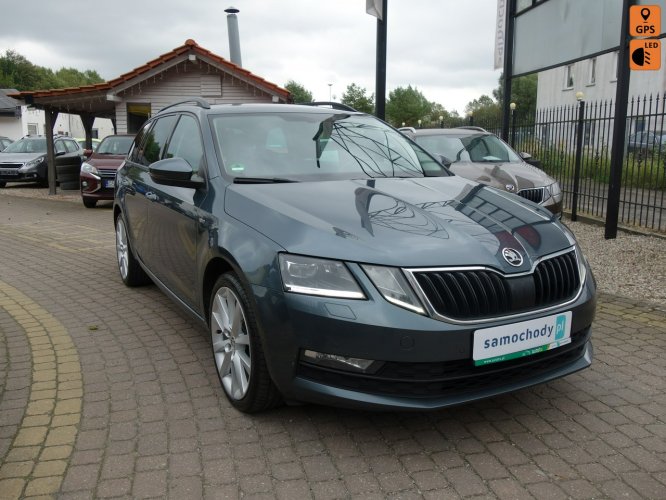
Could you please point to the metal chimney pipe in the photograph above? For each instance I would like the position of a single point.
(234, 37)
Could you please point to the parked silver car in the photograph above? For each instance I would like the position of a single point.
(481, 156)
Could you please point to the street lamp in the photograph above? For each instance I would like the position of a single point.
(419, 122)
(441, 121)
(470, 117)
(403, 124)
(330, 88)
(512, 106)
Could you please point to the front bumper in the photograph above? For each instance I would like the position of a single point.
(97, 187)
(423, 363)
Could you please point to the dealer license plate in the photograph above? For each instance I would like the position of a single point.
(502, 343)
(109, 183)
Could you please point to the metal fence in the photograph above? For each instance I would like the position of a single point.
(573, 145)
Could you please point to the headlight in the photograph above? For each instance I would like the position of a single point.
(394, 287)
(87, 167)
(32, 164)
(555, 189)
(310, 276)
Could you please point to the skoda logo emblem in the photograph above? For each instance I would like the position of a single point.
(510, 188)
(512, 257)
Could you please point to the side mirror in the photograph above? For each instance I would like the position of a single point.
(525, 156)
(175, 172)
(444, 160)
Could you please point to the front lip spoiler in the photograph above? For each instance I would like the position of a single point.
(316, 392)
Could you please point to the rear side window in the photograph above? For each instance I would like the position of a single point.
(152, 146)
(72, 146)
(186, 143)
(59, 147)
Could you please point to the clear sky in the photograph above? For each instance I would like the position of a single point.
(442, 47)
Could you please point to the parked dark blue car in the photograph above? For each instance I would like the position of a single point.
(334, 261)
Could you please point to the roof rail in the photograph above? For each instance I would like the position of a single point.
(473, 127)
(199, 101)
(335, 105)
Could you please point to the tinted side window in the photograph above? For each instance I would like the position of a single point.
(151, 149)
(133, 154)
(59, 147)
(186, 142)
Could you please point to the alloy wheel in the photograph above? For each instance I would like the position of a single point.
(231, 343)
(122, 249)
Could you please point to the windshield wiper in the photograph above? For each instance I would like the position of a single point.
(261, 180)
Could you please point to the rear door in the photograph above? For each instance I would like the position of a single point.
(140, 194)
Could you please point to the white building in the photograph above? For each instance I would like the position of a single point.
(17, 120)
(596, 78)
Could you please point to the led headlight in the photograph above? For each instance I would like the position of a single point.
(312, 276)
(393, 285)
(32, 164)
(87, 167)
(555, 189)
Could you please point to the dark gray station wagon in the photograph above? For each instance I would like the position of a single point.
(334, 261)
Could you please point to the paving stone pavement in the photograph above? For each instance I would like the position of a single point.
(111, 392)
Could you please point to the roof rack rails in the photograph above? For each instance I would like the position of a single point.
(335, 105)
(473, 127)
(199, 101)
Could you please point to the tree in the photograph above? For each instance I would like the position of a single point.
(523, 93)
(298, 92)
(356, 97)
(484, 110)
(407, 105)
(19, 73)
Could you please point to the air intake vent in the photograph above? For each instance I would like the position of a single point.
(534, 194)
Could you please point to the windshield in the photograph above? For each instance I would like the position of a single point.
(27, 145)
(115, 145)
(316, 146)
(469, 147)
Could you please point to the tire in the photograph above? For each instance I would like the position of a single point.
(89, 202)
(237, 350)
(130, 270)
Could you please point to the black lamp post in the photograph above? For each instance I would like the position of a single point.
(512, 106)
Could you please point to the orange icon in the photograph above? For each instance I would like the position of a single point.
(644, 20)
(645, 54)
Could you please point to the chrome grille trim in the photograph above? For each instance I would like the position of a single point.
(537, 195)
(489, 273)
(107, 173)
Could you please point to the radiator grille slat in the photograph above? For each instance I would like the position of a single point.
(533, 194)
(477, 294)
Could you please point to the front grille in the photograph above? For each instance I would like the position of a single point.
(107, 173)
(533, 194)
(11, 165)
(422, 380)
(476, 294)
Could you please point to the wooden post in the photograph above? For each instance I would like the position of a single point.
(50, 116)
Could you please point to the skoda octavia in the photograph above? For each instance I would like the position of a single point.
(334, 261)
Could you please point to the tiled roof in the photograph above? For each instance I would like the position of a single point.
(190, 46)
(7, 104)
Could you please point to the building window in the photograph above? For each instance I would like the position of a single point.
(568, 77)
(593, 72)
(32, 129)
(95, 133)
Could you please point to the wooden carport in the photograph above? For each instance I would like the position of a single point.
(186, 71)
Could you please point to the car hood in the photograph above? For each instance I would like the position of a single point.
(436, 221)
(19, 157)
(106, 161)
(500, 175)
